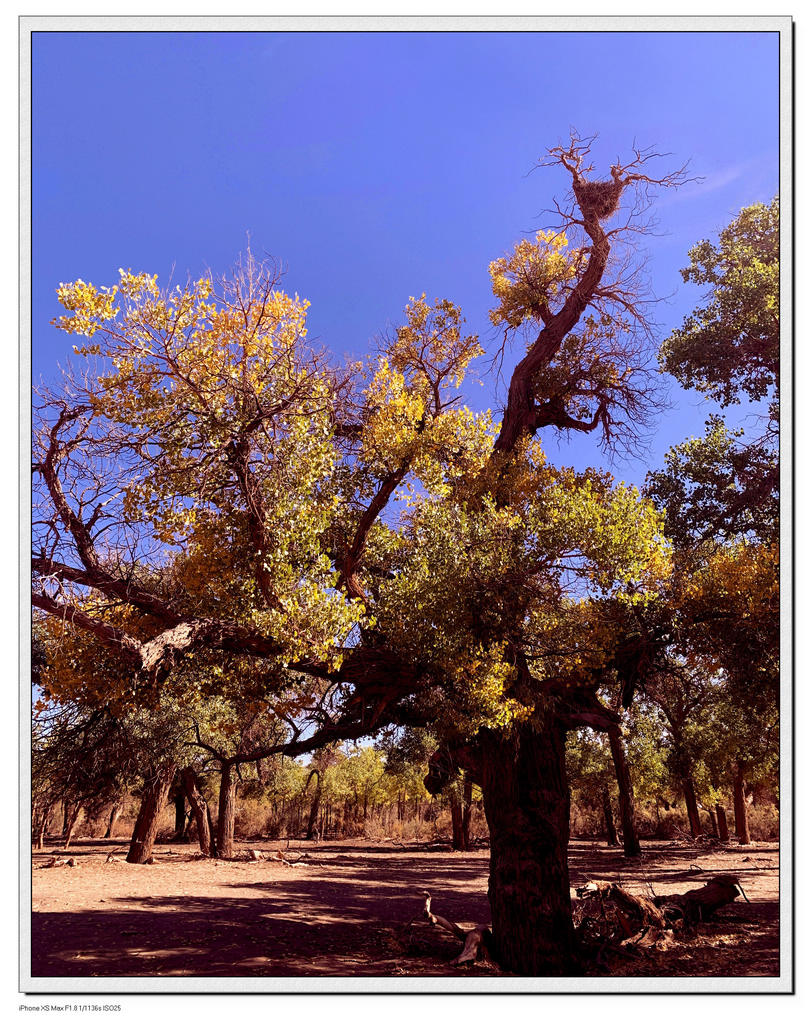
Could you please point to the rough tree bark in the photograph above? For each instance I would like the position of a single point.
(153, 801)
(630, 838)
(739, 803)
(526, 802)
(200, 810)
(226, 811)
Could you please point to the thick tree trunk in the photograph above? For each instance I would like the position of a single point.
(723, 828)
(115, 814)
(608, 815)
(739, 798)
(201, 812)
(692, 807)
(630, 838)
(146, 824)
(226, 811)
(526, 801)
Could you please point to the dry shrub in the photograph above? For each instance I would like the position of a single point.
(586, 821)
(671, 824)
(252, 817)
(764, 822)
(374, 829)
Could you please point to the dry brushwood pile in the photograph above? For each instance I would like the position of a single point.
(606, 914)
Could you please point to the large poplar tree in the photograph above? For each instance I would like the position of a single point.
(211, 487)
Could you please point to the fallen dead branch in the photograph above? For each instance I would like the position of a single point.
(477, 940)
(60, 862)
(286, 859)
(278, 855)
(700, 904)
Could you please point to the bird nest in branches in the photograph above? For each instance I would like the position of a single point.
(600, 198)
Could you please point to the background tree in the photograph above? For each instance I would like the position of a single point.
(720, 495)
(81, 759)
(591, 774)
(725, 485)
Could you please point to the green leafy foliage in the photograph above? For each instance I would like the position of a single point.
(731, 346)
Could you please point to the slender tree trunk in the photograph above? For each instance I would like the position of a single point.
(313, 818)
(146, 824)
(72, 813)
(115, 814)
(713, 822)
(526, 801)
(630, 837)
(467, 810)
(692, 807)
(739, 799)
(723, 828)
(212, 832)
(226, 811)
(457, 839)
(201, 812)
(41, 825)
(180, 813)
(608, 815)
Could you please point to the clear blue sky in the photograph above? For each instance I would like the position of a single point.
(377, 165)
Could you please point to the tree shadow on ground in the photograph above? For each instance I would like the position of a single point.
(289, 934)
(345, 913)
